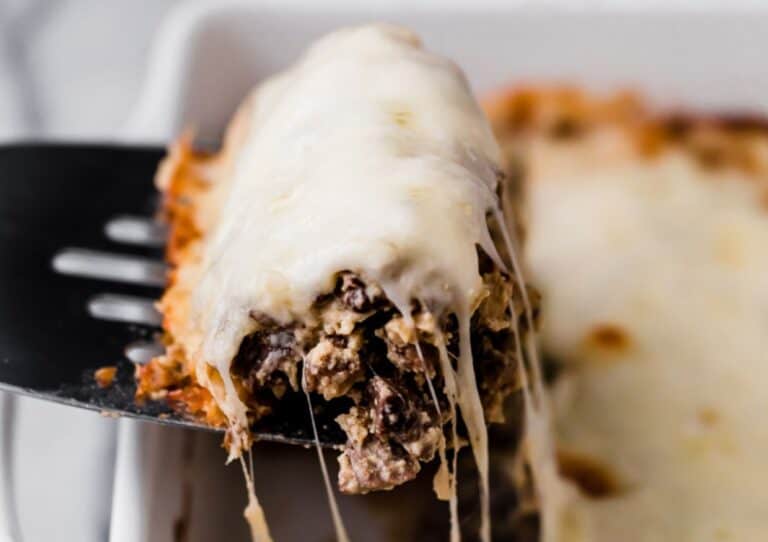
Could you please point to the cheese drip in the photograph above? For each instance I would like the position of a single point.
(338, 522)
(254, 513)
(370, 155)
(552, 492)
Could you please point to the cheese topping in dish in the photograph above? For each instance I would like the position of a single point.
(671, 359)
(649, 244)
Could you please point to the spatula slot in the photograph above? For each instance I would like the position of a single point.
(107, 266)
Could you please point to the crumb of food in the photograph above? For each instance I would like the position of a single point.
(109, 414)
(104, 376)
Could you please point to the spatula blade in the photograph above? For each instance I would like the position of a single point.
(63, 195)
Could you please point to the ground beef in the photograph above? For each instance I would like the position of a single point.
(405, 416)
(334, 365)
(396, 429)
(355, 295)
(402, 351)
(356, 347)
(493, 312)
(269, 359)
(393, 412)
(369, 463)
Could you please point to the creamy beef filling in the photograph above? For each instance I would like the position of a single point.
(357, 347)
(357, 354)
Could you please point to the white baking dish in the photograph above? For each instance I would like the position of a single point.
(207, 57)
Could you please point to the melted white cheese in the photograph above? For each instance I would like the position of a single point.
(254, 513)
(673, 262)
(538, 440)
(371, 155)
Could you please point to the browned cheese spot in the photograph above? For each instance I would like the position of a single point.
(401, 116)
(593, 478)
(708, 416)
(608, 338)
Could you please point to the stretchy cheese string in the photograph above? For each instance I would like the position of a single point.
(474, 418)
(338, 523)
(444, 482)
(467, 396)
(449, 378)
(429, 380)
(538, 435)
(443, 476)
(253, 513)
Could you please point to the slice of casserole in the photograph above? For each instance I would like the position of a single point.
(344, 243)
(648, 238)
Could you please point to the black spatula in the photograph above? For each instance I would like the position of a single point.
(80, 267)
